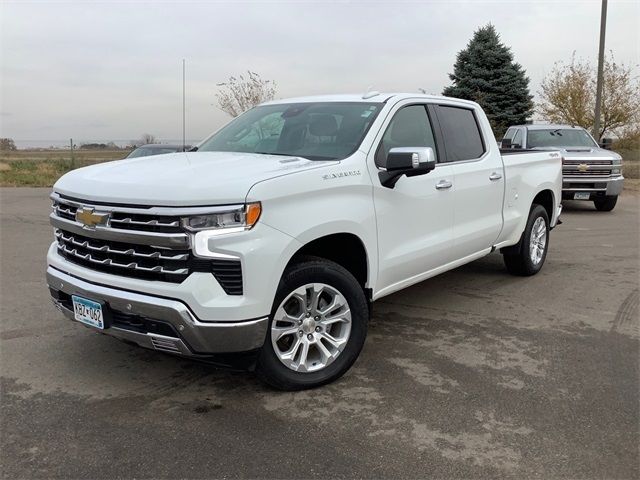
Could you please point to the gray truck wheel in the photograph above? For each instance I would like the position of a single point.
(317, 328)
(606, 204)
(533, 246)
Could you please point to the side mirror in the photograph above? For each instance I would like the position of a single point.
(409, 161)
(606, 143)
(505, 143)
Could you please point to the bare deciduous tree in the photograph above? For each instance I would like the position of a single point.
(7, 144)
(145, 139)
(568, 96)
(238, 95)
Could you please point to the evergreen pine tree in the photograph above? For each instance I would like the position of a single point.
(486, 73)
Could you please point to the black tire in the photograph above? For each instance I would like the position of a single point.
(520, 263)
(605, 204)
(316, 270)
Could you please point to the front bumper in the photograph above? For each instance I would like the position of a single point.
(595, 186)
(158, 323)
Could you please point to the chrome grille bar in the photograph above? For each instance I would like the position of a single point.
(172, 240)
(129, 252)
(130, 266)
(150, 223)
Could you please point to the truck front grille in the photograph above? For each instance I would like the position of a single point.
(127, 220)
(586, 168)
(149, 246)
(139, 261)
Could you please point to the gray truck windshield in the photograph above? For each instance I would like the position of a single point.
(560, 137)
(317, 131)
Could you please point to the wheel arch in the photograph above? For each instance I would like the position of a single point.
(546, 199)
(344, 248)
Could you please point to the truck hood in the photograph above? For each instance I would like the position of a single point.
(180, 179)
(583, 153)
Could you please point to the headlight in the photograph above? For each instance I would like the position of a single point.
(616, 170)
(243, 217)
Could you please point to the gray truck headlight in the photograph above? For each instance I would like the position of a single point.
(243, 217)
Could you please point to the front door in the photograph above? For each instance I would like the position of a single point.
(415, 218)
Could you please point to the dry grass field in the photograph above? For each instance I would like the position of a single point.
(41, 168)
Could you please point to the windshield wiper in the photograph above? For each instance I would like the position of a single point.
(274, 153)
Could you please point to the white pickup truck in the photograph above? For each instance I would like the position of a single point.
(265, 247)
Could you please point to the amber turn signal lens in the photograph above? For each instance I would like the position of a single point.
(253, 213)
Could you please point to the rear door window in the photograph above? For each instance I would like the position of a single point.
(461, 133)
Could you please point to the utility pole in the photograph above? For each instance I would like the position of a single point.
(603, 27)
(184, 142)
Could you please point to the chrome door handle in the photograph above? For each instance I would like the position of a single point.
(443, 184)
(495, 176)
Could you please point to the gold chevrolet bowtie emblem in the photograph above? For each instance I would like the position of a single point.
(583, 167)
(90, 218)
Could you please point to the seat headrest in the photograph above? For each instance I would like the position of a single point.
(323, 125)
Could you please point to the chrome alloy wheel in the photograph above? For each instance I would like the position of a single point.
(538, 241)
(311, 327)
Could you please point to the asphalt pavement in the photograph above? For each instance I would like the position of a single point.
(474, 373)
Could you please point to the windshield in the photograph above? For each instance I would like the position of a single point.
(316, 131)
(560, 137)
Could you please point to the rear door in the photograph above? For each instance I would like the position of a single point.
(479, 180)
(415, 217)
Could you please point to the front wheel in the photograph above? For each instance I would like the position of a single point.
(317, 328)
(534, 245)
(606, 204)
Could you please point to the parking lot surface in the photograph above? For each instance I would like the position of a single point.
(474, 373)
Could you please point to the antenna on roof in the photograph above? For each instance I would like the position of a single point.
(422, 90)
(184, 140)
(370, 93)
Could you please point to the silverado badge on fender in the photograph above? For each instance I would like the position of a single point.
(90, 218)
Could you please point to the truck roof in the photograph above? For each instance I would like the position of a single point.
(549, 126)
(364, 97)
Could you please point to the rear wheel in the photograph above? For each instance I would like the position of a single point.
(317, 328)
(534, 245)
(606, 204)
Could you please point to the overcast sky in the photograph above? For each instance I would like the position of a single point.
(111, 70)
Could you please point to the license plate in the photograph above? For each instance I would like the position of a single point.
(88, 312)
(581, 196)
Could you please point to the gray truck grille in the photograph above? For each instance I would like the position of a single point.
(584, 168)
(136, 244)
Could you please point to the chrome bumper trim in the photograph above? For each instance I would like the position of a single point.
(197, 338)
(613, 185)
